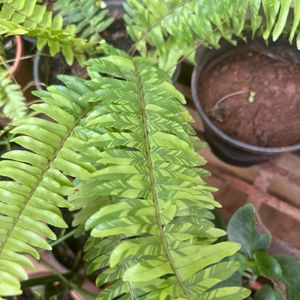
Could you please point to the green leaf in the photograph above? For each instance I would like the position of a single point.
(290, 275)
(242, 260)
(265, 293)
(296, 20)
(242, 229)
(271, 9)
(266, 265)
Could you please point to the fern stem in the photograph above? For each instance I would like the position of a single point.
(41, 177)
(43, 280)
(63, 238)
(153, 183)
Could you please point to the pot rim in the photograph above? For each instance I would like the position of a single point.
(36, 70)
(222, 134)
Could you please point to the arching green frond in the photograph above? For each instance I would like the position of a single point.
(89, 16)
(11, 97)
(36, 179)
(146, 204)
(32, 18)
(176, 27)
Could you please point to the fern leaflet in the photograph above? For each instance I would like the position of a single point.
(89, 16)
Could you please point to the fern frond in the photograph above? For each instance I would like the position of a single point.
(89, 16)
(146, 204)
(37, 178)
(31, 18)
(174, 28)
(11, 97)
(179, 26)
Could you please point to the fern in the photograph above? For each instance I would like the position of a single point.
(125, 137)
(175, 27)
(11, 97)
(146, 204)
(37, 179)
(89, 16)
(31, 18)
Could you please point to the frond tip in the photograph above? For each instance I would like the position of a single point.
(146, 204)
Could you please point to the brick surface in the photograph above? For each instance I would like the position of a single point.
(273, 187)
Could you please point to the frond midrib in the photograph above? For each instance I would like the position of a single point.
(41, 177)
(152, 181)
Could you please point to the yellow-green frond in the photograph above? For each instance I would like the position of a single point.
(146, 205)
(36, 178)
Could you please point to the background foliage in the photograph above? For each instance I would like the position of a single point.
(89, 17)
(175, 28)
(33, 19)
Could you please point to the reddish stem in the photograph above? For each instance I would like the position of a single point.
(256, 286)
(19, 51)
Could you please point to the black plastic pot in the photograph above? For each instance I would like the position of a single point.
(46, 69)
(228, 148)
(116, 34)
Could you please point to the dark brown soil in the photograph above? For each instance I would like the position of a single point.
(116, 34)
(272, 119)
(51, 67)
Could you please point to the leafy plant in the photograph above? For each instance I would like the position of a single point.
(175, 28)
(256, 260)
(19, 17)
